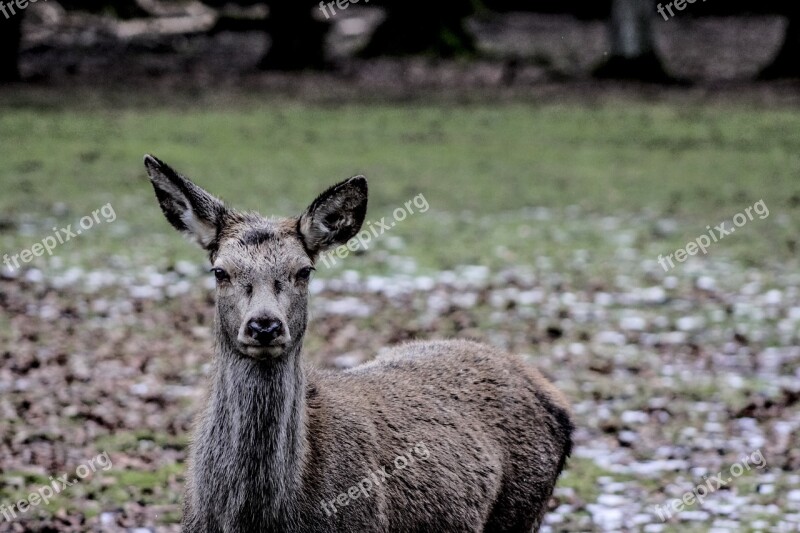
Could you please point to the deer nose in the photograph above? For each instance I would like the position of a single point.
(264, 330)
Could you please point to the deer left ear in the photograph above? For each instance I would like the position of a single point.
(335, 216)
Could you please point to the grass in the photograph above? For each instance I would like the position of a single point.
(127, 442)
(104, 489)
(480, 167)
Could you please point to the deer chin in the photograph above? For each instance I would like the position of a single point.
(263, 352)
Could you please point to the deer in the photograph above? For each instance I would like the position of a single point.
(278, 441)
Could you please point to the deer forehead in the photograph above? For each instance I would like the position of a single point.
(262, 246)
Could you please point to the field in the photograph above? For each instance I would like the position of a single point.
(541, 232)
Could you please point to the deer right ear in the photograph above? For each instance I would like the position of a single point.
(335, 216)
(189, 208)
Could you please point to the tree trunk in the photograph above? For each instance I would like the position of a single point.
(633, 51)
(298, 40)
(414, 27)
(787, 63)
(10, 34)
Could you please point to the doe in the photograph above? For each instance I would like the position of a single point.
(277, 441)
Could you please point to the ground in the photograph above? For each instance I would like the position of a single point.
(537, 217)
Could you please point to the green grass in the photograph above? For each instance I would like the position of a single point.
(478, 165)
(583, 476)
(128, 442)
(103, 489)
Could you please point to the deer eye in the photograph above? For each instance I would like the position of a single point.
(304, 273)
(220, 274)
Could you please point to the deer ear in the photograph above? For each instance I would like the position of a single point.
(335, 216)
(189, 208)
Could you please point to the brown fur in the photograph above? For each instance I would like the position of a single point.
(277, 443)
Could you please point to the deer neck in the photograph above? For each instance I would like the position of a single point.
(259, 412)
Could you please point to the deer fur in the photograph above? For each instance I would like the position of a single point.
(278, 443)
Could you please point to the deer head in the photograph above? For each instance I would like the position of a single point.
(262, 265)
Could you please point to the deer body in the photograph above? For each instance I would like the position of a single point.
(278, 444)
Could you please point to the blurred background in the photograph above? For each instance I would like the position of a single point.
(565, 150)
